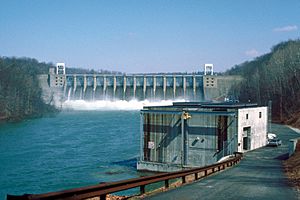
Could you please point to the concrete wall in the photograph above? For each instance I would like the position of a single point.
(292, 145)
(140, 87)
(217, 87)
(258, 123)
(158, 167)
(57, 80)
(51, 95)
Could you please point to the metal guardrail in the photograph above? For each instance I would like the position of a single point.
(103, 189)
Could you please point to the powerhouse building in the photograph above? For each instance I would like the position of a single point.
(194, 134)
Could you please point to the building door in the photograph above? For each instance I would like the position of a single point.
(245, 143)
(222, 136)
(246, 138)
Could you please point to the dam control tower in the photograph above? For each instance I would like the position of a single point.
(208, 69)
(60, 68)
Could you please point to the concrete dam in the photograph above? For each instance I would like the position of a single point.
(128, 87)
(153, 87)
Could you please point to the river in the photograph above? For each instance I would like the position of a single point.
(72, 149)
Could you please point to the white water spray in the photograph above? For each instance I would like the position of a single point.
(113, 105)
(69, 94)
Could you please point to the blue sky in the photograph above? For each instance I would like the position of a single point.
(146, 35)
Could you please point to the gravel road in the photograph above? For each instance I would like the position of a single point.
(259, 175)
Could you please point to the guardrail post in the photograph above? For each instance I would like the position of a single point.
(142, 189)
(219, 168)
(196, 176)
(183, 180)
(205, 173)
(166, 183)
(103, 197)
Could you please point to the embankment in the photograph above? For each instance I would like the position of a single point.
(292, 167)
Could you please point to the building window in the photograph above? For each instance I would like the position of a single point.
(259, 114)
(247, 116)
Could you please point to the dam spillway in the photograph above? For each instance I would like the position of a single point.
(58, 86)
(129, 87)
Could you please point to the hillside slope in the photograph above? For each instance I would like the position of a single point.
(20, 94)
(292, 167)
(274, 76)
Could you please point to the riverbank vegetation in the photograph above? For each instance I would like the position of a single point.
(20, 94)
(292, 167)
(274, 76)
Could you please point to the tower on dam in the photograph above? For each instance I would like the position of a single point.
(152, 87)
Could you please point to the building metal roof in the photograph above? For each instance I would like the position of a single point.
(223, 105)
(219, 113)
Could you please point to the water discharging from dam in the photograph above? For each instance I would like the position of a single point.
(129, 87)
(119, 92)
(113, 105)
(87, 100)
(132, 91)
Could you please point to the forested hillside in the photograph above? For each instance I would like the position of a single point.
(20, 94)
(274, 76)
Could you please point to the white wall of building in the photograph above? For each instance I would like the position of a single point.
(258, 123)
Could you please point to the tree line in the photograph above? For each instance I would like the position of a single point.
(274, 76)
(20, 94)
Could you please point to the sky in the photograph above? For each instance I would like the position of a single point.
(142, 36)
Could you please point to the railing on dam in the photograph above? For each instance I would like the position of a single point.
(101, 190)
(127, 87)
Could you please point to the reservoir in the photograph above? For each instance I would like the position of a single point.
(70, 149)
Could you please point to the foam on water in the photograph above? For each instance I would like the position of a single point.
(113, 105)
